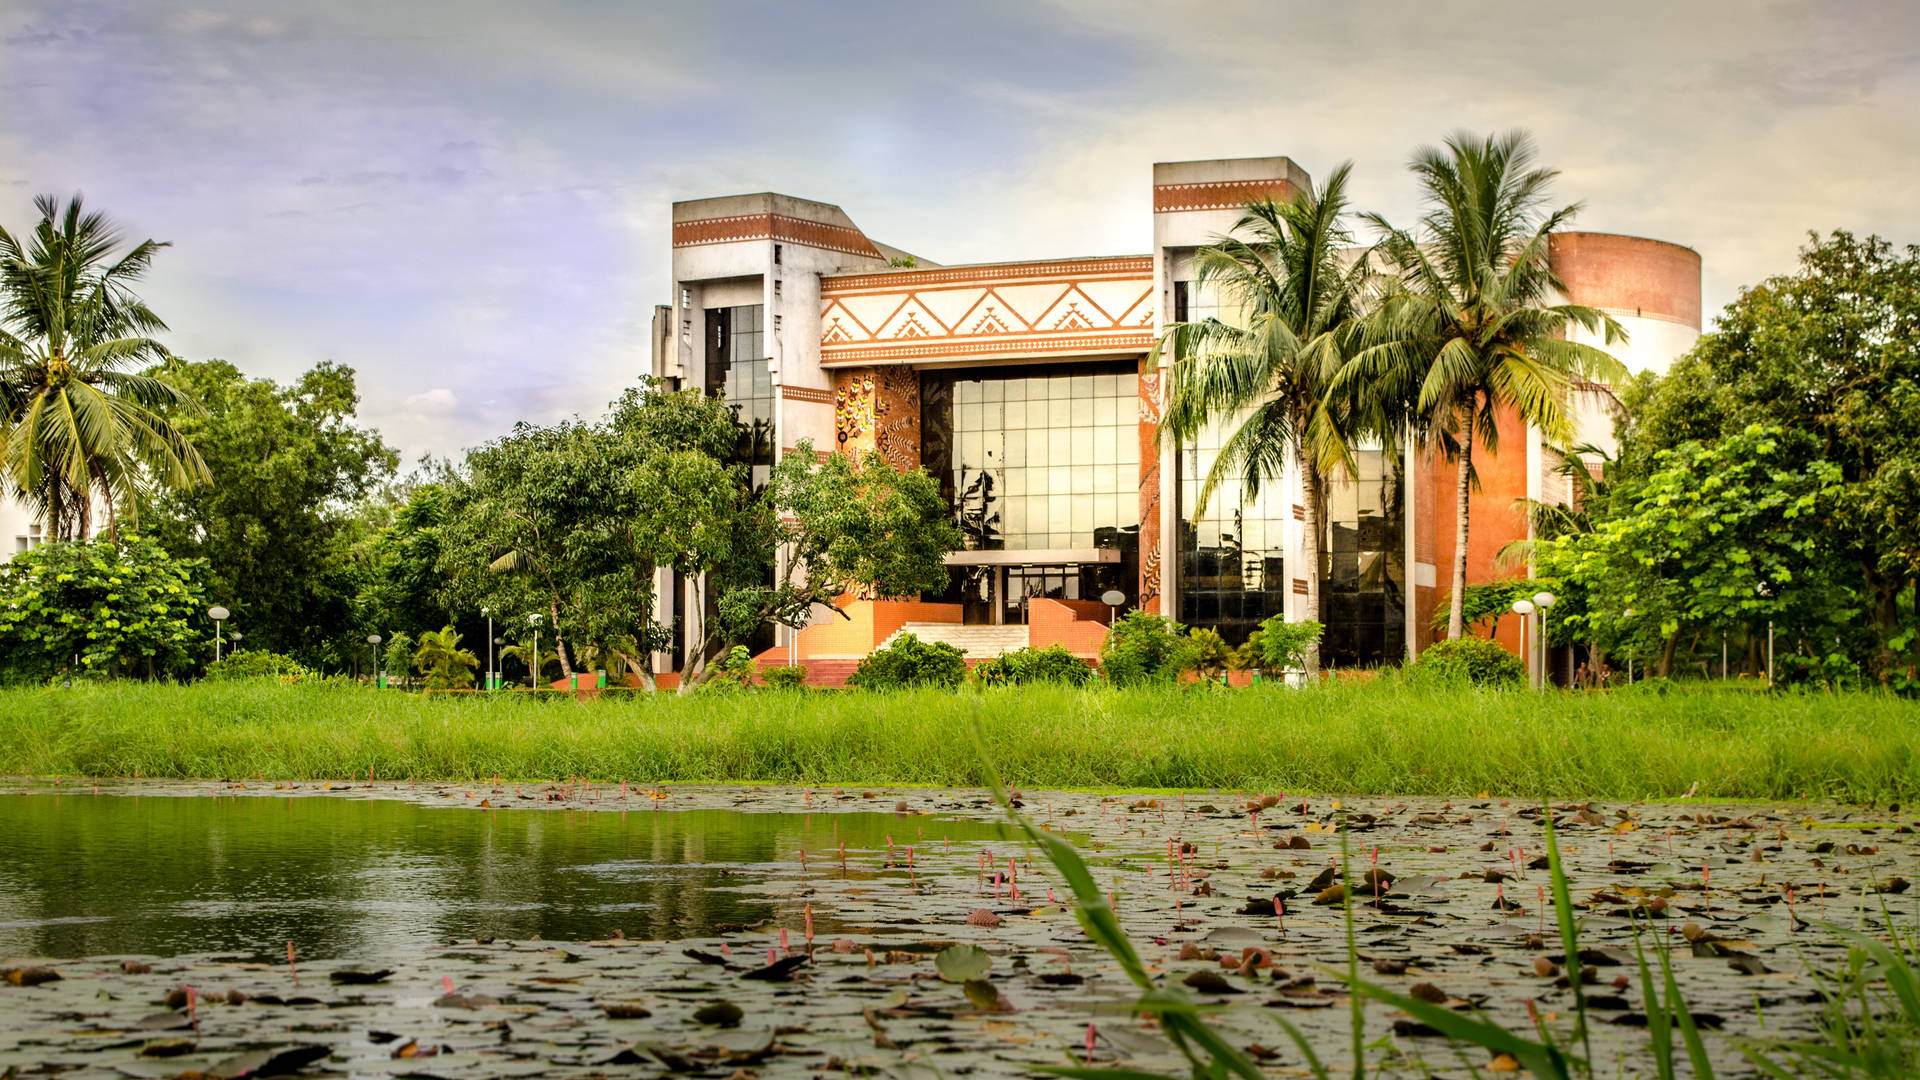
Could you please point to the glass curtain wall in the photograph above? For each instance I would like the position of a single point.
(738, 366)
(1038, 457)
(1232, 565)
(1363, 588)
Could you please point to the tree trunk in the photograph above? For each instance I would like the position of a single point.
(643, 670)
(1665, 667)
(559, 644)
(1457, 606)
(1310, 484)
(696, 663)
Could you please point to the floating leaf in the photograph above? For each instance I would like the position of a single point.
(963, 963)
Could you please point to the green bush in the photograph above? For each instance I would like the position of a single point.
(1211, 656)
(734, 671)
(1281, 646)
(1145, 650)
(1469, 661)
(786, 677)
(910, 662)
(257, 664)
(1053, 664)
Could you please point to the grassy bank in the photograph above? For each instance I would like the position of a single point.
(1366, 739)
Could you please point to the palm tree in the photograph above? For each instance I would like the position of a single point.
(446, 665)
(78, 424)
(1466, 326)
(1551, 520)
(1283, 264)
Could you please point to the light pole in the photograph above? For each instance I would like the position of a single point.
(373, 647)
(1542, 601)
(534, 621)
(235, 636)
(1524, 608)
(219, 615)
(488, 612)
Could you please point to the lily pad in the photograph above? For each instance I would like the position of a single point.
(963, 963)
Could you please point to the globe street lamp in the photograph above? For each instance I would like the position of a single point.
(219, 615)
(1524, 608)
(373, 649)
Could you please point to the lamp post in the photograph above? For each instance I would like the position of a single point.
(1524, 608)
(235, 637)
(219, 615)
(488, 612)
(534, 621)
(1542, 601)
(373, 647)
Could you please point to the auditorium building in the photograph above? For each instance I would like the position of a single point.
(1024, 389)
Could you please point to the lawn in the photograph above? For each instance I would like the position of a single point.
(1379, 738)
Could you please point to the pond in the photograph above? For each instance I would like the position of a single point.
(369, 878)
(589, 928)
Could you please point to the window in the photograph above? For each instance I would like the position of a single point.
(1041, 457)
(737, 366)
(1036, 457)
(1363, 588)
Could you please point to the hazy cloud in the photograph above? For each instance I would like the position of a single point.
(466, 200)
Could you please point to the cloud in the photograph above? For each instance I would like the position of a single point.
(470, 197)
(435, 402)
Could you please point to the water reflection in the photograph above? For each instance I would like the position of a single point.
(104, 874)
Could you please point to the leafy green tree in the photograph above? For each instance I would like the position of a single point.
(80, 427)
(522, 519)
(1284, 267)
(99, 608)
(1209, 655)
(1831, 350)
(1465, 328)
(1281, 646)
(398, 659)
(446, 665)
(1145, 650)
(1723, 535)
(275, 526)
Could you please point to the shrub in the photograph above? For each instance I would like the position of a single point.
(1210, 656)
(1469, 661)
(257, 664)
(910, 662)
(1053, 664)
(446, 665)
(1280, 646)
(734, 671)
(1145, 649)
(787, 677)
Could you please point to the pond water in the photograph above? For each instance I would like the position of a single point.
(109, 874)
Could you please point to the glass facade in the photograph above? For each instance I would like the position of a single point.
(737, 365)
(1036, 457)
(1033, 458)
(1363, 588)
(1232, 560)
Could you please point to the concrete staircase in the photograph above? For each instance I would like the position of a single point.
(977, 642)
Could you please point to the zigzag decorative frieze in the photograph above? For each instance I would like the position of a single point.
(1077, 306)
(1217, 194)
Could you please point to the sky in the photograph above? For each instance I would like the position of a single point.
(467, 201)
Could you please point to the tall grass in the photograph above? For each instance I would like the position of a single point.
(1383, 737)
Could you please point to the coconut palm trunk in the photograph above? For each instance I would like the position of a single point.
(1310, 484)
(1457, 604)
